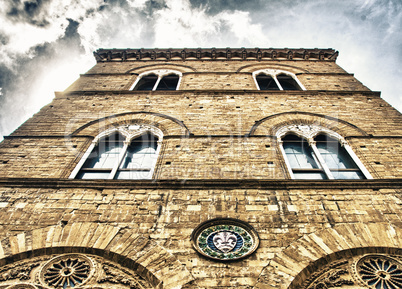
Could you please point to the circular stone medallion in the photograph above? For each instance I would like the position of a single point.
(379, 272)
(225, 239)
(67, 271)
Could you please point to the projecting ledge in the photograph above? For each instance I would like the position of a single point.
(203, 184)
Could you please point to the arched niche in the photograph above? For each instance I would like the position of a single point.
(114, 256)
(306, 260)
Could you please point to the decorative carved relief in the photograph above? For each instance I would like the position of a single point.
(379, 272)
(225, 239)
(373, 271)
(69, 271)
(115, 274)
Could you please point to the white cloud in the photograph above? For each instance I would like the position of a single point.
(366, 32)
(180, 25)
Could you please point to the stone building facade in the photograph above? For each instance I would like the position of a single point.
(205, 168)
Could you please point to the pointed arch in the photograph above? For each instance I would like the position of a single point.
(261, 66)
(270, 124)
(167, 124)
(179, 67)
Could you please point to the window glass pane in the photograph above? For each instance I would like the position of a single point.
(106, 153)
(93, 175)
(287, 82)
(335, 156)
(133, 175)
(347, 175)
(299, 154)
(168, 82)
(140, 155)
(146, 82)
(309, 176)
(266, 82)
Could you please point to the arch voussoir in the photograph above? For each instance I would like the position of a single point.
(303, 257)
(124, 245)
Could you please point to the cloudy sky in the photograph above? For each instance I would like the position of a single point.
(46, 44)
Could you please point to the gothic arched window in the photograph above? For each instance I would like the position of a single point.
(128, 152)
(270, 79)
(157, 80)
(312, 152)
(266, 82)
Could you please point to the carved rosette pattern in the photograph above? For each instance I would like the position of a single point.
(373, 271)
(380, 272)
(225, 239)
(67, 271)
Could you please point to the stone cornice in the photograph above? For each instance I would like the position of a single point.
(191, 184)
(67, 93)
(145, 54)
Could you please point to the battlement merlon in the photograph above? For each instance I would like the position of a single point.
(144, 54)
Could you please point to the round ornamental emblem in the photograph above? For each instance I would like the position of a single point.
(379, 272)
(67, 271)
(225, 239)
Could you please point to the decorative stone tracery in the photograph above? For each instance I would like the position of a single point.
(373, 271)
(379, 272)
(69, 271)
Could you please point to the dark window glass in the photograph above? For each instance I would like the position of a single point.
(168, 82)
(139, 159)
(103, 157)
(266, 82)
(287, 82)
(301, 158)
(146, 82)
(337, 158)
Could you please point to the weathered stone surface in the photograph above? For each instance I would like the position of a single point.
(219, 158)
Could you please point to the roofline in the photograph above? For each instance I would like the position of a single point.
(152, 54)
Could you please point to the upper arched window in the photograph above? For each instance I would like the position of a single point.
(313, 152)
(270, 79)
(128, 152)
(157, 80)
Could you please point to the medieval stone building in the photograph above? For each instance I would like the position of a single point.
(205, 168)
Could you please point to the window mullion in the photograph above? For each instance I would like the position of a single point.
(157, 83)
(277, 82)
(321, 160)
(82, 161)
(120, 159)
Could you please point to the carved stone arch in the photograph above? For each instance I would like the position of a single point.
(298, 264)
(167, 124)
(271, 124)
(253, 67)
(117, 245)
(173, 66)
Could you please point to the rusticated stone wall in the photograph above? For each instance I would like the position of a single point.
(219, 159)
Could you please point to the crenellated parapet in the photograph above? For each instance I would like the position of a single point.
(102, 55)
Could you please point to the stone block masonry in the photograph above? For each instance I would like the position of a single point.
(220, 158)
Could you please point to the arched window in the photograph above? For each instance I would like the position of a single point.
(157, 80)
(168, 82)
(271, 79)
(287, 82)
(147, 82)
(266, 82)
(128, 152)
(313, 152)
